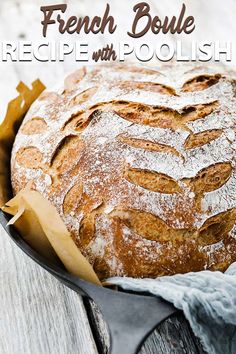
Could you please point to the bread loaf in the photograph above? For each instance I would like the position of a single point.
(140, 163)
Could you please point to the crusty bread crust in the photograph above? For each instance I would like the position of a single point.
(140, 164)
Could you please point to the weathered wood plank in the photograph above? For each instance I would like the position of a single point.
(37, 313)
(171, 337)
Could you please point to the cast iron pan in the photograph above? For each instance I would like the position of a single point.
(129, 317)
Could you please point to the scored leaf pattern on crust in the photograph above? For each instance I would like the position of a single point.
(144, 223)
(151, 180)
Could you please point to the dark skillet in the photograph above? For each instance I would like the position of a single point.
(130, 317)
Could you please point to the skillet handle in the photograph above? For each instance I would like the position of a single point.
(130, 317)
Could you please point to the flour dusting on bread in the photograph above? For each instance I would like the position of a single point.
(140, 164)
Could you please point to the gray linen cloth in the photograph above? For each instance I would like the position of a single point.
(208, 300)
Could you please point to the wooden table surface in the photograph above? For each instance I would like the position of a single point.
(38, 315)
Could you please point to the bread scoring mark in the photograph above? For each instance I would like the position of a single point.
(34, 126)
(151, 180)
(71, 145)
(217, 227)
(78, 121)
(29, 157)
(146, 86)
(200, 82)
(52, 97)
(154, 116)
(83, 96)
(138, 70)
(148, 145)
(73, 198)
(74, 79)
(202, 138)
(87, 230)
(150, 226)
(233, 83)
(163, 117)
(106, 71)
(210, 178)
(154, 228)
(194, 112)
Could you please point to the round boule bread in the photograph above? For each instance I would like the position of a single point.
(140, 164)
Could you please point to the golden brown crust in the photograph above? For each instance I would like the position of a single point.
(140, 164)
